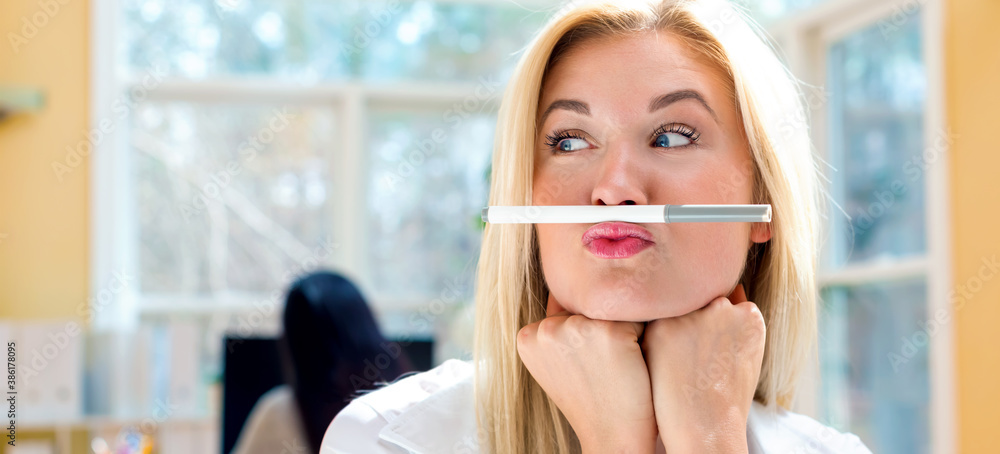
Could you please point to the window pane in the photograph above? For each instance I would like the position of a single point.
(770, 10)
(428, 184)
(874, 359)
(878, 89)
(327, 39)
(448, 40)
(230, 197)
(199, 38)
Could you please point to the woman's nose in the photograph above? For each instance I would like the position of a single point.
(621, 180)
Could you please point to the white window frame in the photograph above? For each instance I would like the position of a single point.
(113, 227)
(806, 37)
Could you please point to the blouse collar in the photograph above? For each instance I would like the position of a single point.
(445, 421)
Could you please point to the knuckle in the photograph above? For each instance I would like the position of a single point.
(547, 328)
(750, 310)
(753, 319)
(526, 332)
(719, 303)
(580, 325)
(521, 342)
(574, 321)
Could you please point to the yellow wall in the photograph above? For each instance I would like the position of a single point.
(972, 73)
(44, 226)
(44, 256)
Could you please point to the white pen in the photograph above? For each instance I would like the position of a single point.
(589, 214)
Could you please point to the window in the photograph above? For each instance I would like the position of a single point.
(256, 141)
(878, 87)
(248, 121)
(875, 99)
(424, 203)
(229, 196)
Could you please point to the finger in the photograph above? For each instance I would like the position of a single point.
(639, 327)
(525, 338)
(527, 332)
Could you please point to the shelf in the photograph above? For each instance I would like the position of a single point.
(97, 422)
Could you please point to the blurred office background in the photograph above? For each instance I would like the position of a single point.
(169, 168)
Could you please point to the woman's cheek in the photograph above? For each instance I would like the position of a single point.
(549, 252)
(555, 263)
(715, 251)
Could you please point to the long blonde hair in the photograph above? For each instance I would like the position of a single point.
(514, 413)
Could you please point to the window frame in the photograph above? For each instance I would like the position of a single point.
(352, 102)
(113, 229)
(806, 37)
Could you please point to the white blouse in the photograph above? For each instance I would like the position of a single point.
(434, 412)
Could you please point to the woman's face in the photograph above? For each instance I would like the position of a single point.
(640, 120)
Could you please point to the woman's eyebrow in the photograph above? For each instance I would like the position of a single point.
(657, 103)
(665, 100)
(571, 105)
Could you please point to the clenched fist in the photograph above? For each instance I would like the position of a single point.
(704, 368)
(595, 373)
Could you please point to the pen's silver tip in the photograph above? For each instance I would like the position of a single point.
(485, 214)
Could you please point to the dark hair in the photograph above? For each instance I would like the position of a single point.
(334, 349)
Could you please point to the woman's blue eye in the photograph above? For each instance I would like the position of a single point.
(671, 139)
(571, 144)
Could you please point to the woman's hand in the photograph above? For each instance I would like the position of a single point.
(593, 370)
(704, 368)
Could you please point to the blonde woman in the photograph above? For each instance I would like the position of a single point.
(620, 337)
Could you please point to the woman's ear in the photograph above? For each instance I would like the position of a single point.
(760, 232)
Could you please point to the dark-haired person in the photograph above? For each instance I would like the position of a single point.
(329, 343)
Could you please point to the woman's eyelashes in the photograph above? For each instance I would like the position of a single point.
(566, 141)
(674, 135)
(668, 135)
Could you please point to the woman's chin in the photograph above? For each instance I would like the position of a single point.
(634, 310)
